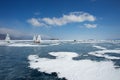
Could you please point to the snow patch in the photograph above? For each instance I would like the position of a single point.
(65, 66)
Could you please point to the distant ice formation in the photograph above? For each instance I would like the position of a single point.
(7, 39)
(71, 69)
(34, 37)
(37, 38)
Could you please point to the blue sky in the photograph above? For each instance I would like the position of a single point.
(63, 19)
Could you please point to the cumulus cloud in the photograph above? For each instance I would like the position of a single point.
(90, 25)
(35, 22)
(65, 19)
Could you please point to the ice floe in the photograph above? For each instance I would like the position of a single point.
(99, 47)
(71, 69)
(102, 53)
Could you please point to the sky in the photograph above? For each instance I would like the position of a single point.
(63, 19)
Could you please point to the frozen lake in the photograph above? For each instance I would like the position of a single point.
(60, 61)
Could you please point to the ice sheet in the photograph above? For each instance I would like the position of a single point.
(71, 69)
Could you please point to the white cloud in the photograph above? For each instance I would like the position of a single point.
(65, 19)
(90, 25)
(35, 22)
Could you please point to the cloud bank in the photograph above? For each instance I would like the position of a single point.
(17, 33)
(12, 32)
(73, 17)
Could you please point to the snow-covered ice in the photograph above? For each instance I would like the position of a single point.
(71, 69)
